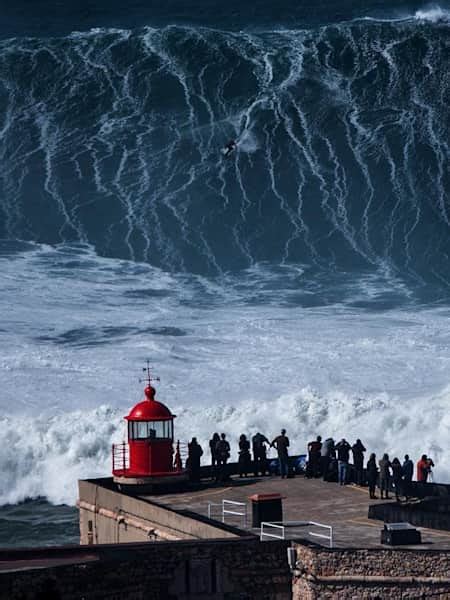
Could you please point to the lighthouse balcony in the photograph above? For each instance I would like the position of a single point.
(148, 462)
(120, 458)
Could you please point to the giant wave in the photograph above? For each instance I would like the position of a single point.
(111, 137)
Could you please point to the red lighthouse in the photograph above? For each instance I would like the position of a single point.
(147, 458)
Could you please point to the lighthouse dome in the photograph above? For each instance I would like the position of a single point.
(150, 409)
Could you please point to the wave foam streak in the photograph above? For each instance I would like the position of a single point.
(342, 155)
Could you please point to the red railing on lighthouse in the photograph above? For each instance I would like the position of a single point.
(120, 458)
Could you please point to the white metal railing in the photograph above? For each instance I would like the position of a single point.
(228, 507)
(234, 504)
(272, 526)
(211, 509)
(278, 529)
(328, 537)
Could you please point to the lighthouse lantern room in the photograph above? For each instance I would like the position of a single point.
(147, 457)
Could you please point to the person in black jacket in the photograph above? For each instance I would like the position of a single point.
(281, 443)
(314, 449)
(385, 475)
(358, 461)
(327, 456)
(213, 449)
(194, 453)
(407, 471)
(259, 442)
(245, 460)
(397, 478)
(372, 475)
(343, 455)
(223, 454)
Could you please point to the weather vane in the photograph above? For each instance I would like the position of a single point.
(149, 377)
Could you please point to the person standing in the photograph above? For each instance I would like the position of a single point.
(385, 475)
(281, 443)
(424, 468)
(314, 455)
(358, 461)
(259, 442)
(326, 455)
(372, 475)
(343, 454)
(407, 472)
(213, 449)
(397, 478)
(194, 453)
(407, 469)
(244, 456)
(223, 454)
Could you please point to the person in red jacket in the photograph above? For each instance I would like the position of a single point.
(423, 468)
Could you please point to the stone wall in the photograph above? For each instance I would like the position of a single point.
(370, 573)
(242, 569)
(233, 569)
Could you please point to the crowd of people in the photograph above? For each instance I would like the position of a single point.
(326, 459)
(221, 451)
(331, 461)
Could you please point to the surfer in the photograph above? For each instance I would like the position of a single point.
(229, 148)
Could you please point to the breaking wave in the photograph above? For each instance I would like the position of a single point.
(45, 457)
(434, 14)
(114, 136)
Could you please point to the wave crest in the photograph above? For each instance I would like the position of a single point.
(45, 457)
(433, 14)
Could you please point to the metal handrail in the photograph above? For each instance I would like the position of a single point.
(210, 505)
(328, 537)
(284, 524)
(231, 512)
(226, 511)
(274, 525)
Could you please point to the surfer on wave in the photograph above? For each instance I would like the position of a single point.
(229, 148)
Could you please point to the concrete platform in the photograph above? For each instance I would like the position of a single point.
(345, 508)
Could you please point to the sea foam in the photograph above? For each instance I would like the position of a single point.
(268, 348)
(46, 456)
(433, 14)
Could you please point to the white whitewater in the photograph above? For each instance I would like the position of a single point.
(237, 356)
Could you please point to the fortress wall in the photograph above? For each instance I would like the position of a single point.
(215, 570)
(370, 573)
(226, 569)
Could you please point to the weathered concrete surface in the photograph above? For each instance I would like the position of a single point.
(109, 516)
(343, 507)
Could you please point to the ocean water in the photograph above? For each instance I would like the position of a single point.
(302, 283)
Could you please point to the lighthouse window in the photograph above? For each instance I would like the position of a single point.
(144, 430)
